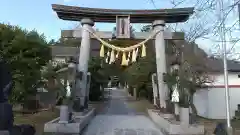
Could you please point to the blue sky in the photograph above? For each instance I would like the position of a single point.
(38, 14)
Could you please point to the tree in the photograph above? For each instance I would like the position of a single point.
(193, 73)
(26, 52)
(146, 28)
(99, 77)
(138, 74)
(193, 64)
(204, 25)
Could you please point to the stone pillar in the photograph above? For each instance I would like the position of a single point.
(184, 116)
(154, 86)
(64, 114)
(88, 89)
(82, 67)
(158, 25)
(176, 111)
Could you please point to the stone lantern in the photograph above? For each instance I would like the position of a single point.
(65, 111)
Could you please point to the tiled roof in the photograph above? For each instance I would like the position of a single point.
(217, 65)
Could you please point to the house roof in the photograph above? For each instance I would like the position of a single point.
(217, 65)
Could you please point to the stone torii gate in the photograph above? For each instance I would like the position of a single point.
(122, 18)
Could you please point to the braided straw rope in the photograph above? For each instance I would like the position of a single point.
(122, 49)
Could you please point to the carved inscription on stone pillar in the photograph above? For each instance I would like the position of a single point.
(123, 27)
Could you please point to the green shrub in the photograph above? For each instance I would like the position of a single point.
(31, 104)
(95, 92)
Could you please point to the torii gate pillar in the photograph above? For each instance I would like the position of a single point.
(82, 67)
(158, 25)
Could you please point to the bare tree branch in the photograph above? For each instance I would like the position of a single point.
(205, 23)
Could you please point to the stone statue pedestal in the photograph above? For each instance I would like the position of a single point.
(176, 111)
(79, 122)
(184, 116)
(64, 114)
(170, 126)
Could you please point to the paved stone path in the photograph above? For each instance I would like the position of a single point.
(118, 119)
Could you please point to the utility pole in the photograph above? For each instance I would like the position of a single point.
(223, 41)
(238, 12)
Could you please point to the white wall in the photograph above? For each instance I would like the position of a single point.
(200, 101)
(210, 102)
(232, 79)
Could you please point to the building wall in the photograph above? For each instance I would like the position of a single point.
(200, 101)
(219, 79)
(210, 102)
